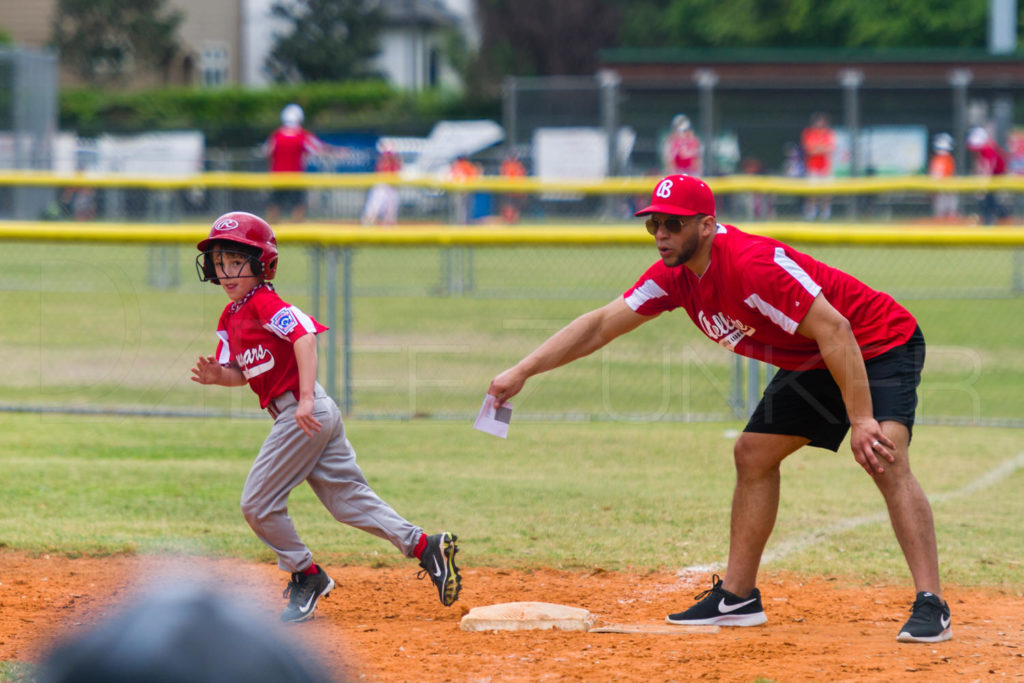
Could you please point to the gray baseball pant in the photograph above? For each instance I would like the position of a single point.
(328, 462)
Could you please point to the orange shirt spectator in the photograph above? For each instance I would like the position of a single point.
(819, 143)
(512, 167)
(463, 169)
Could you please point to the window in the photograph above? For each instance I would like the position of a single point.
(214, 64)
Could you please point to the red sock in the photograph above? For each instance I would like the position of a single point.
(311, 570)
(420, 547)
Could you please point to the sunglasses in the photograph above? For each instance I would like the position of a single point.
(673, 225)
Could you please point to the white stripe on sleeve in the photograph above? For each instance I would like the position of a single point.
(801, 276)
(304, 320)
(224, 357)
(772, 313)
(644, 293)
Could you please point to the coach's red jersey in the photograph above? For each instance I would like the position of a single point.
(288, 147)
(756, 291)
(256, 335)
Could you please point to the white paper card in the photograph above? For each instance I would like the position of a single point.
(494, 421)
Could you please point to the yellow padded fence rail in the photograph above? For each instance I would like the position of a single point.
(736, 184)
(334, 235)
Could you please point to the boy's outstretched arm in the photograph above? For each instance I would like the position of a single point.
(208, 371)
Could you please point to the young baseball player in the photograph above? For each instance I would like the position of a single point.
(272, 345)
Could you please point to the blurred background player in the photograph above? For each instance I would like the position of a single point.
(463, 170)
(511, 205)
(287, 150)
(989, 161)
(818, 142)
(271, 346)
(382, 201)
(681, 151)
(943, 165)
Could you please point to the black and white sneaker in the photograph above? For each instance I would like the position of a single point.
(929, 621)
(438, 562)
(303, 592)
(718, 606)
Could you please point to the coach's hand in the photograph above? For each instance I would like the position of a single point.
(505, 386)
(869, 444)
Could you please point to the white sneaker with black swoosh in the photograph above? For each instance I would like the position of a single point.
(303, 592)
(929, 621)
(438, 562)
(720, 607)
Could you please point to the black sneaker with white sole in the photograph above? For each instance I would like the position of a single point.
(720, 607)
(303, 592)
(438, 562)
(929, 621)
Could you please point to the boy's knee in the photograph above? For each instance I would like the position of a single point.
(251, 512)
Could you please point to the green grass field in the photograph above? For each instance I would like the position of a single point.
(569, 495)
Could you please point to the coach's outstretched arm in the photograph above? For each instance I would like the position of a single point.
(581, 337)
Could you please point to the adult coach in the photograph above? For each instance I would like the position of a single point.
(850, 359)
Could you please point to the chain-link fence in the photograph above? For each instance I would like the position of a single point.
(421, 325)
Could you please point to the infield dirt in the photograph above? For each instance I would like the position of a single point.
(382, 624)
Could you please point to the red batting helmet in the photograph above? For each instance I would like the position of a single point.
(242, 228)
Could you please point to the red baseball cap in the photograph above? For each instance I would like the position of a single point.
(680, 195)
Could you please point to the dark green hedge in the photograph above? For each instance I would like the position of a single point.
(238, 117)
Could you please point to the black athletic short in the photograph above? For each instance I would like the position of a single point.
(808, 403)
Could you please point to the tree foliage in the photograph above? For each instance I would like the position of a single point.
(540, 37)
(103, 39)
(328, 40)
(805, 23)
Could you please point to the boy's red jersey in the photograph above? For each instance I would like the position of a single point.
(256, 335)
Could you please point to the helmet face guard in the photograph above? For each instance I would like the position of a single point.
(206, 267)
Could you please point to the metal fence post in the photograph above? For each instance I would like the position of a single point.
(851, 80)
(316, 261)
(346, 256)
(706, 82)
(508, 110)
(753, 385)
(609, 82)
(332, 322)
(736, 392)
(959, 79)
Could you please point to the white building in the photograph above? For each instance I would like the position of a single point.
(227, 41)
